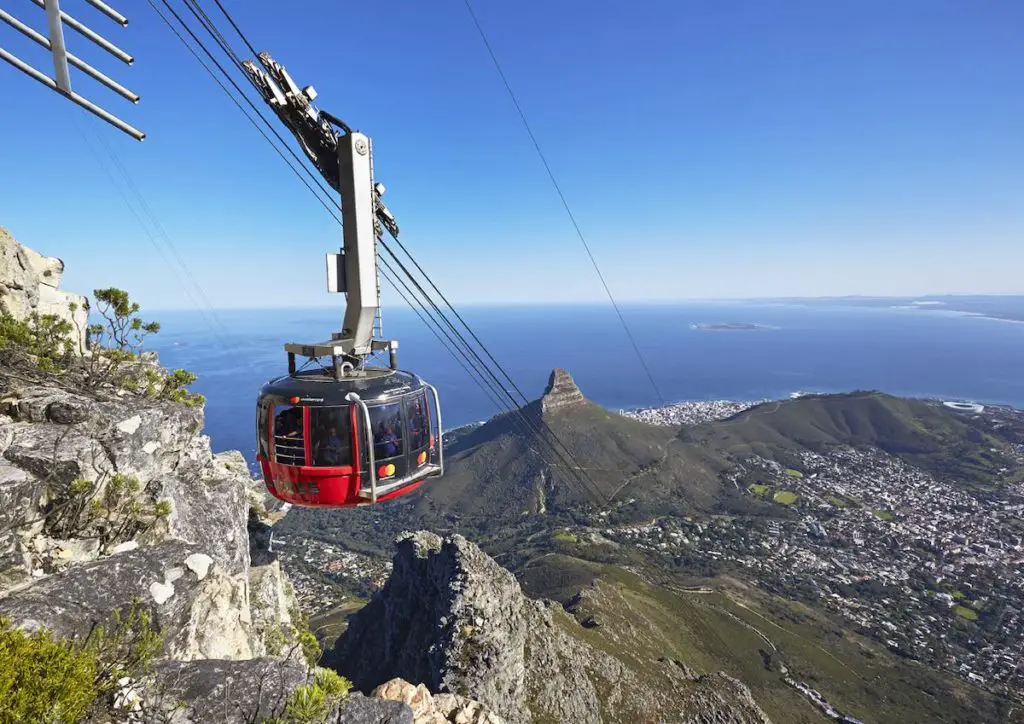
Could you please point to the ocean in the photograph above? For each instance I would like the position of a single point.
(835, 347)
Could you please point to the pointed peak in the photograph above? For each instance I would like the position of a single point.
(561, 391)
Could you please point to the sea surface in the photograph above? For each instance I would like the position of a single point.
(836, 347)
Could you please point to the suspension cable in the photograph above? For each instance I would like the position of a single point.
(225, 46)
(565, 203)
(587, 484)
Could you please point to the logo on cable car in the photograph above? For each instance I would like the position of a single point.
(294, 400)
(386, 471)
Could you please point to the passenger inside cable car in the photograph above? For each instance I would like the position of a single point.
(331, 430)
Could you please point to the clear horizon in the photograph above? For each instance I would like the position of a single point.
(708, 152)
(604, 302)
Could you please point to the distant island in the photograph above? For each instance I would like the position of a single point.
(742, 326)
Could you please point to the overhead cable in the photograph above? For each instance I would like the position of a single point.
(561, 196)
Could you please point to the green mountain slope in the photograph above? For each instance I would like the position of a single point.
(724, 625)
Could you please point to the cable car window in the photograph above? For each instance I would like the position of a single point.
(330, 429)
(386, 423)
(289, 444)
(262, 411)
(419, 422)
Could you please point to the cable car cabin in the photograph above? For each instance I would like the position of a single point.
(331, 443)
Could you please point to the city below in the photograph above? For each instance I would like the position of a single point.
(898, 553)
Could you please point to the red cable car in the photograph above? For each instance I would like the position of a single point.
(328, 444)
(348, 434)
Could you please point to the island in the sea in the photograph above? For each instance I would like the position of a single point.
(742, 326)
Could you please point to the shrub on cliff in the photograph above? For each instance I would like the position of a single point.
(110, 511)
(116, 359)
(46, 679)
(311, 703)
(43, 336)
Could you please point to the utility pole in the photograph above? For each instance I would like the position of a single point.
(56, 20)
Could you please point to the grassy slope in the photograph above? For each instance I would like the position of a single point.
(641, 623)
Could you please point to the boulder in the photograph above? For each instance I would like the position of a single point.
(440, 709)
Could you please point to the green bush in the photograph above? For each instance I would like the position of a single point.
(116, 345)
(46, 337)
(310, 703)
(46, 679)
(43, 679)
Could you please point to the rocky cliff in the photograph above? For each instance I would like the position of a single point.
(452, 618)
(122, 532)
(30, 282)
(561, 392)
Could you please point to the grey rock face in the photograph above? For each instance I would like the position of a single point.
(221, 691)
(199, 616)
(561, 392)
(453, 619)
(449, 617)
(57, 454)
(366, 710)
(241, 692)
(29, 282)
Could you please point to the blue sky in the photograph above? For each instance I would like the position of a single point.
(724, 149)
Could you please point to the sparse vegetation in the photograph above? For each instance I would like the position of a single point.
(793, 473)
(758, 489)
(274, 639)
(311, 649)
(112, 510)
(883, 514)
(837, 501)
(963, 612)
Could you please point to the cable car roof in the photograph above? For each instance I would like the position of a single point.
(319, 387)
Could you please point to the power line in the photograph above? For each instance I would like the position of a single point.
(558, 189)
(145, 228)
(232, 97)
(148, 211)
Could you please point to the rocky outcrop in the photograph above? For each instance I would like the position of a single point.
(561, 392)
(30, 282)
(453, 619)
(440, 709)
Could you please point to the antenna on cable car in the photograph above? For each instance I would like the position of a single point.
(56, 19)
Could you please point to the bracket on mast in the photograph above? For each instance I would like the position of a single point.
(345, 160)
